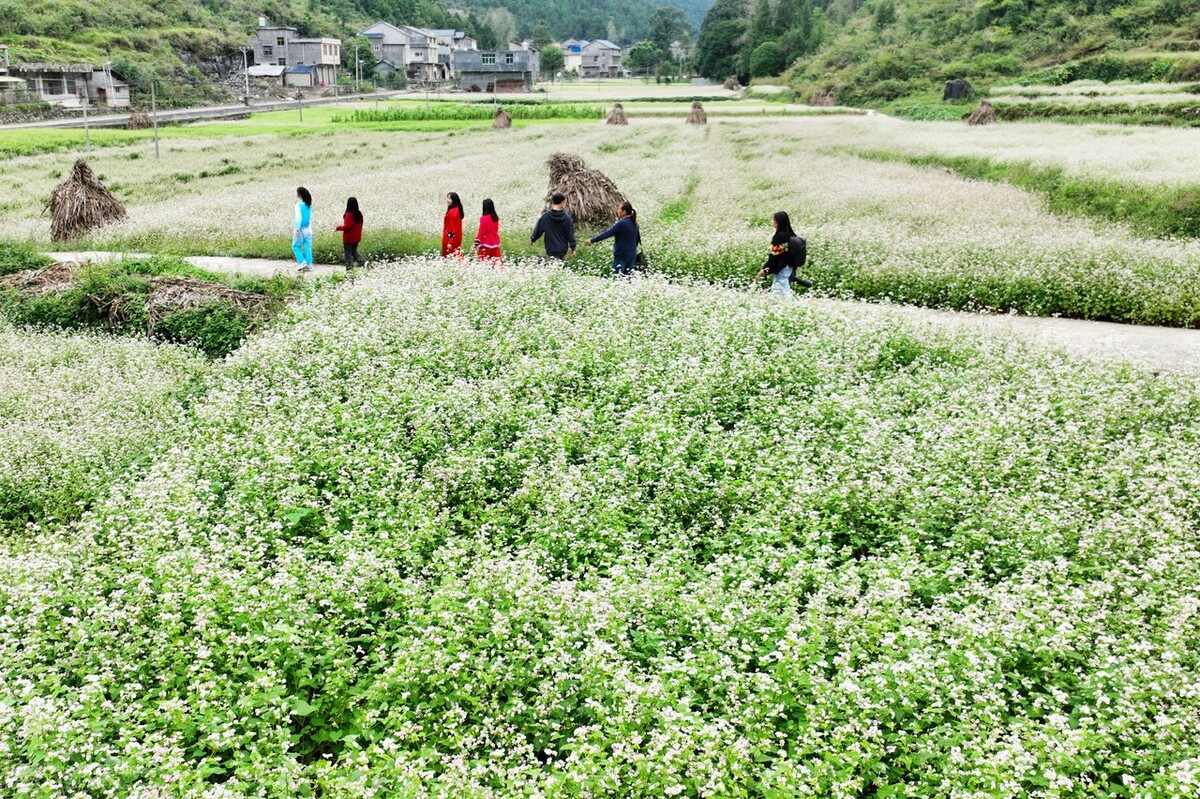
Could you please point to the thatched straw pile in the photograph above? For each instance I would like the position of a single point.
(985, 114)
(697, 117)
(54, 277)
(80, 204)
(171, 294)
(732, 84)
(502, 119)
(823, 98)
(139, 120)
(617, 115)
(592, 198)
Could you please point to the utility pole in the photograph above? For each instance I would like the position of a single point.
(87, 135)
(246, 72)
(300, 103)
(154, 115)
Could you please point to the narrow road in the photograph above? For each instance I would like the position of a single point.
(1157, 348)
(208, 112)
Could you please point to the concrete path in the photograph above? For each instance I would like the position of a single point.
(259, 267)
(1157, 348)
(205, 112)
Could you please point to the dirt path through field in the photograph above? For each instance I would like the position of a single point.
(1157, 348)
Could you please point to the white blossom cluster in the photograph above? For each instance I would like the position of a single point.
(456, 532)
(75, 409)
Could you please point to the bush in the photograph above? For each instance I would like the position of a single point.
(18, 256)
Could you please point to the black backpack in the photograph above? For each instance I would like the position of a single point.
(797, 253)
(798, 257)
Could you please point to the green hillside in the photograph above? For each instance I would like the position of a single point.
(185, 41)
(877, 51)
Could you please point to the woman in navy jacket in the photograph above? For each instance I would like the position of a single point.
(626, 238)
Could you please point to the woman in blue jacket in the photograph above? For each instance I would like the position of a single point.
(302, 233)
(626, 238)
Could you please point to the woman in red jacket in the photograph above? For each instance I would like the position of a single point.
(487, 240)
(351, 228)
(452, 227)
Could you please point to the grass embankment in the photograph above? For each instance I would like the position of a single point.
(1182, 114)
(469, 534)
(1148, 209)
(131, 297)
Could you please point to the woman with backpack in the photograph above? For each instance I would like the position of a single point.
(785, 256)
(351, 228)
(626, 237)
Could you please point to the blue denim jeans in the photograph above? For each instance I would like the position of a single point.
(624, 268)
(781, 284)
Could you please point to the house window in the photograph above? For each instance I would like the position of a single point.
(510, 58)
(376, 48)
(282, 62)
(268, 52)
(70, 86)
(489, 58)
(279, 42)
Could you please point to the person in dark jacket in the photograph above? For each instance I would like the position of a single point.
(351, 227)
(626, 238)
(779, 261)
(558, 227)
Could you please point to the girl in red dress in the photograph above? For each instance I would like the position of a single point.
(452, 227)
(487, 240)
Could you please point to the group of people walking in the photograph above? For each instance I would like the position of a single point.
(555, 227)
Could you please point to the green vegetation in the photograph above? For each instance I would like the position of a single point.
(462, 112)
(461, 533)
(1148, 209)
(1183, 114)
(18, 256)
(126, 296)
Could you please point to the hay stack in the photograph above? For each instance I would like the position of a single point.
(617, 115)
(139, 120)
(697, 117)
(54, 277)
(732, 84)
(985, 114)
(502, 119)
(80, 204)
(823, 98)
(592, 198)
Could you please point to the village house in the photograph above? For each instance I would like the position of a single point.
(511, 70)
(423, 55)
(308, 62)
(599, 58)
(71, 85)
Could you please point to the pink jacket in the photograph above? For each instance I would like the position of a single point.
(489, 232)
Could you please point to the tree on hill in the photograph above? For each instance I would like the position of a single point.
(765, 61)
(719, 46)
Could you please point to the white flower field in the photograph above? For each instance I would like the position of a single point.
(448, 531)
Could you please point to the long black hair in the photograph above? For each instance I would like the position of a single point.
(489, 209)
(456, 203)
(304, 194)
(632, 214)
(783, 223)
(352, 208)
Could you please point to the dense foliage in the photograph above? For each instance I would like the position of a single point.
(454, 532)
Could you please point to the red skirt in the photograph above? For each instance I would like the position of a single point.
(490, 254)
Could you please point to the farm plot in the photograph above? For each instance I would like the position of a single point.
(883, 231)
(455, 532)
